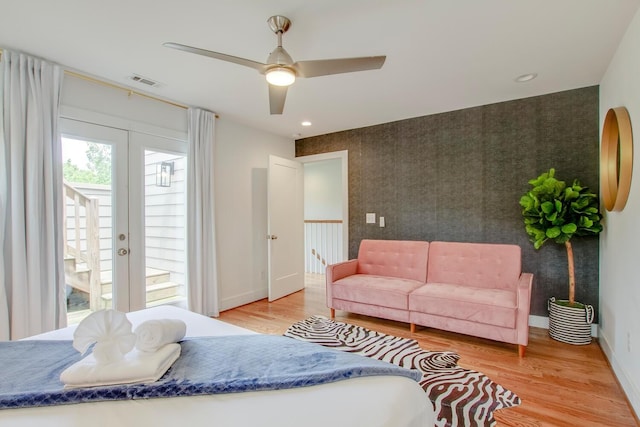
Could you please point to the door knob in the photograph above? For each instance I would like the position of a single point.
(122, 251)
(272, 236)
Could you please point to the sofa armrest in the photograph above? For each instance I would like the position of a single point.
(336, 272)
(341, 270)
(525, 283)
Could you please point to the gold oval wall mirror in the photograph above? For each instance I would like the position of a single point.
(616, 159)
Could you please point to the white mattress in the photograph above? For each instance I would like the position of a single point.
(368, 401)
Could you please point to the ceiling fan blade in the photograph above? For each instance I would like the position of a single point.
(217, 55)
(277, 96)
(325, 67)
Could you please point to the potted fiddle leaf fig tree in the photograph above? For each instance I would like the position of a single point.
(553, 210)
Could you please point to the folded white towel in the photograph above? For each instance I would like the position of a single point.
(153, 334)
(135, 367)
(110, 330)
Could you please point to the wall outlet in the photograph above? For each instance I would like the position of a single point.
(371, 218)
(381, 219)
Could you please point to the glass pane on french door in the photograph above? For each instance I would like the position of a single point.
(88, 154)
(164, 228)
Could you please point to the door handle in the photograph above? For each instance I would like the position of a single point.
(122, 251)
(272, 236)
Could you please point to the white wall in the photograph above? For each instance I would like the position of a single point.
(135, 112)
(323, 190)
(620, 241)
(242, 158)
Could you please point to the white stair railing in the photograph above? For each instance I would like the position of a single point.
(323, 244)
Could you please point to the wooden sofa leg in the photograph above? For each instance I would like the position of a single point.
(521, 350)
(413, 328)
(333, 313)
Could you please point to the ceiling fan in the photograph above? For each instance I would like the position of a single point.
(281, 71)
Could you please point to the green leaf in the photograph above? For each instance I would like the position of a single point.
(569, 228)
(526, 202)
(547, 207)
(585, 222)
(553, 232)
(538, 243)
(579, 204)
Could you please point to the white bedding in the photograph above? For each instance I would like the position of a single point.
(368, 401)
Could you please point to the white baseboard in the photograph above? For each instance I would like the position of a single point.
(543, 322)
(628, 386)
(242, 299)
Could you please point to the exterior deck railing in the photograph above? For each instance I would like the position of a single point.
(90, 255)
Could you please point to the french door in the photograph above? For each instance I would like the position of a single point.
(124, 233)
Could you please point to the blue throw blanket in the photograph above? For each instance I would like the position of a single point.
(30, 370)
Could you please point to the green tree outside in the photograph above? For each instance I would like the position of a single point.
(98, 169)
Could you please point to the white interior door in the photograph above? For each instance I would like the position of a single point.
(285, 208)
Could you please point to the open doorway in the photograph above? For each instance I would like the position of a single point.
(325, 213)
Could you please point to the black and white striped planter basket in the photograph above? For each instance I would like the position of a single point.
(568, 324)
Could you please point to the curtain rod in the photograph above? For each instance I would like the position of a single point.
(115, 86)
(126, 89)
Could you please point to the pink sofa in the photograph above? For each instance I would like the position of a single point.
(472, 288)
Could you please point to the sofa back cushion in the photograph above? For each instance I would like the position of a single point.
(405, 259)
(481, 265)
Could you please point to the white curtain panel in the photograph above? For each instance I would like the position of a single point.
(202, 271)
(32, 294)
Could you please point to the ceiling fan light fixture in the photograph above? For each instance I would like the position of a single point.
(280, 76)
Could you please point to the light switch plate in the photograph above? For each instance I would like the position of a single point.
(371, 218)
(381, 219)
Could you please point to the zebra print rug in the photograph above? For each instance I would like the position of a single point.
(461, 397)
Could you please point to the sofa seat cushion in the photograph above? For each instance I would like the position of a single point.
(384, 291)
(482, 305)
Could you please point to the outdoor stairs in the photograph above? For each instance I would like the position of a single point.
(77, 274)
(160, 289)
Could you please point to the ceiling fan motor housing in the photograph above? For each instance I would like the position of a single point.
(279, 56)
(279, 24)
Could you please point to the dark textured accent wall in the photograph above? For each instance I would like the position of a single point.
(458, 176)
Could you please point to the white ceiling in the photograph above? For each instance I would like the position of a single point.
(442, 55)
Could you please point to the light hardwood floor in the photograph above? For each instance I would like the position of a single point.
(559, 384)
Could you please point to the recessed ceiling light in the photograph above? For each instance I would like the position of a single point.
(526, 77)
(306, 123)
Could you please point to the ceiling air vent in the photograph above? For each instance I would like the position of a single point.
(144, 80)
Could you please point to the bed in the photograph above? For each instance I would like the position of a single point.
(383, 401)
